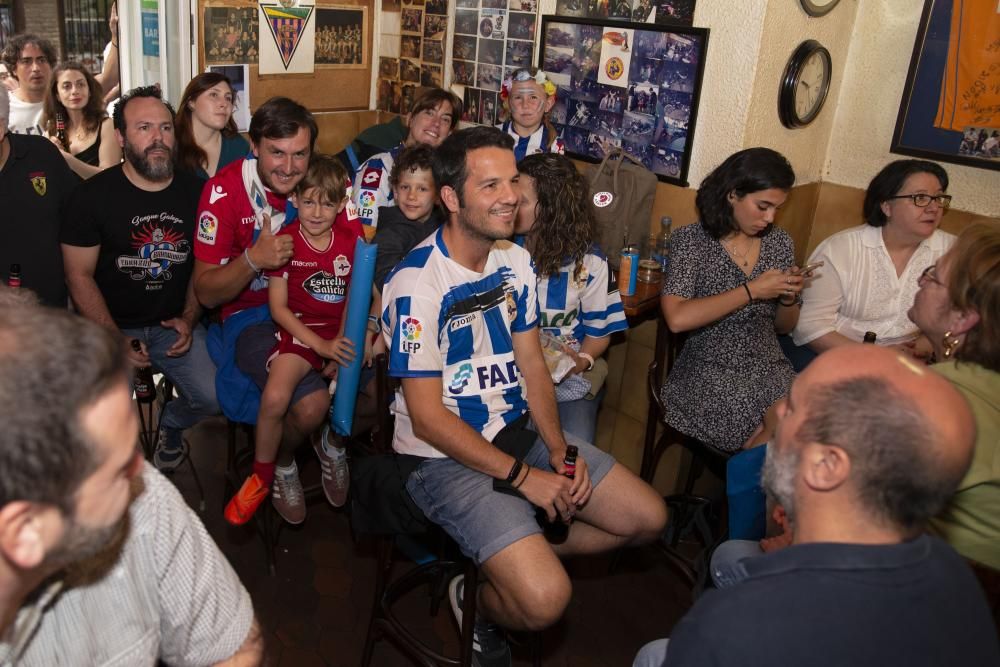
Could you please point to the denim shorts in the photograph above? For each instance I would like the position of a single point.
(253, 348)
(482, 521)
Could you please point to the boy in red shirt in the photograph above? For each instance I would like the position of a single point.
(307, 298)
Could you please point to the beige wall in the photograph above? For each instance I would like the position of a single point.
(865, 111)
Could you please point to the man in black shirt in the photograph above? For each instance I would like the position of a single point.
(34, 181)
(126, 239)
(868, 447)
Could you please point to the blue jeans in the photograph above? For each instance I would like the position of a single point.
(579, 417)
(725, 566)
(653, 654)
(193, 374)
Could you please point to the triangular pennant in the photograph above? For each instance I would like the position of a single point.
(286, 24)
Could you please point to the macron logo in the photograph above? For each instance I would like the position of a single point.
(216, 194)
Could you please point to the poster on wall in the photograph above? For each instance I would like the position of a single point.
(287, 38)
(663, 12)
(629, 85)
(230, 35)
(950, 109)
(423, 33)
(239, 77)
(341, 41)
(492, 39)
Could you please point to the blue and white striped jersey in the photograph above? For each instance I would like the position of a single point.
(372, 189)
(586, 305)
(539, 142)
(441, 319)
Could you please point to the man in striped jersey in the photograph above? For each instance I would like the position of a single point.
(461, 323)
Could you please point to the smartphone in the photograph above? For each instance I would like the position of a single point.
(810, 267)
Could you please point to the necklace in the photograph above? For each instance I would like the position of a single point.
(739, 258)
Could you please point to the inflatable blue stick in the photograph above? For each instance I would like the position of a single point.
(359, 299)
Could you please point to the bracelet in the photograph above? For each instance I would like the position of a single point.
(590, 359)
(749, 295)
(246, 256)
(515, 470)
(527, 469)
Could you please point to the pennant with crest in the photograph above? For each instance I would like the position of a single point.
(288, 27)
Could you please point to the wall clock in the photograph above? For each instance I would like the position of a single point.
(804, 84)
(818, 7)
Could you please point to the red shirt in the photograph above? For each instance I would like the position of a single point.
(318, 279)
(226, 224)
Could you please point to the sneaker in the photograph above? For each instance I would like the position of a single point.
(287, 495)
(170, 450)
(489, 645)
(336, 475)
(246, 501)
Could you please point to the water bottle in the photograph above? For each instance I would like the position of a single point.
(662, 251)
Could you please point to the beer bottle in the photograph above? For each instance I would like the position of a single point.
(557, 531)
(142, 383)
(61, 131)
(869, 337)
(14, 276)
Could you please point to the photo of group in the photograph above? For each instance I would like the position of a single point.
(662, 12)
(625, 84)
(230, 35)
(340, 36)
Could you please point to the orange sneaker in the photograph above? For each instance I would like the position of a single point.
(246, 501)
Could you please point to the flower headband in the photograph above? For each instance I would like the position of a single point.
(524, 75)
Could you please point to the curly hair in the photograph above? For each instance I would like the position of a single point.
(12, 52)
(888, 182)
(93, 113)
(190, 155)
(750, 170)
(564, 220)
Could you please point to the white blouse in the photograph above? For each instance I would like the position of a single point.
(857, 290)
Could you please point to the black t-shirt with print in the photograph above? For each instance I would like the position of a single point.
(145, 260)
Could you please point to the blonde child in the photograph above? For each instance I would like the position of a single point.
(529, 96)
(308, 299)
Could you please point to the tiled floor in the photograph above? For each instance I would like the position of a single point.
(315, 609)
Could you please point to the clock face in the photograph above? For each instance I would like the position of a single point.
(818, 7)
(811, 86)
(804, 84)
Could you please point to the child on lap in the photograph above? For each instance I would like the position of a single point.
(307, 297)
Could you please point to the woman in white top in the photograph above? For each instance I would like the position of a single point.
(870, 272)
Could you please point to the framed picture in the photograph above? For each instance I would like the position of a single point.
(630, 85)
(950, 109)
(663, 12)
(230, 35)
(341, 41)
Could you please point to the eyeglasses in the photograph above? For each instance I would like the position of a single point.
(930, 275)
(924, 200)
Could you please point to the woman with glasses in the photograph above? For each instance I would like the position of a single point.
(869, 273)
(958, 309)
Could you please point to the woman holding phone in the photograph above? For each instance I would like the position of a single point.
(732, 285)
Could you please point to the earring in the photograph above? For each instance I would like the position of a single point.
(949, 343)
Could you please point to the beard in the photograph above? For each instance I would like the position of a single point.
(478, 227)
(156, 171)
(778, 478)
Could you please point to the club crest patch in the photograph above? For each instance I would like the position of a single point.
(39, 182)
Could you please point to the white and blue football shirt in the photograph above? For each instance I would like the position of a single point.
(441, 319)
(586, 304)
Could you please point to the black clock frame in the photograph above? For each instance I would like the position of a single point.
(787, 114)
(812, 9)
